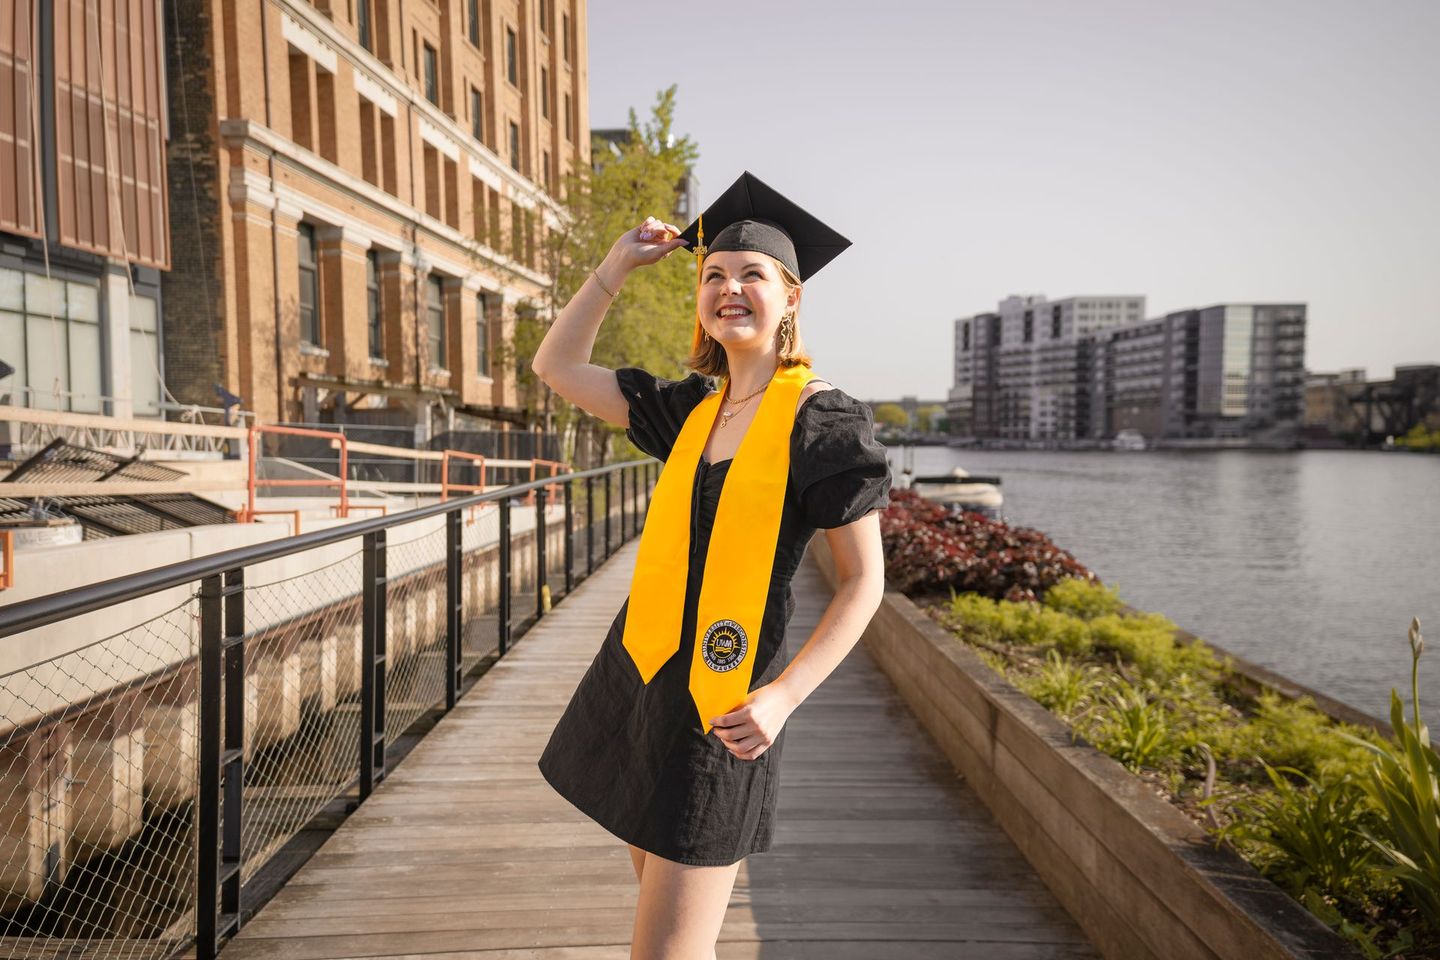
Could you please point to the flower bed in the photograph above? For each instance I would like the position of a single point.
(1308, 801)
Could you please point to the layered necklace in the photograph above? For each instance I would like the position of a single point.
(725, 415)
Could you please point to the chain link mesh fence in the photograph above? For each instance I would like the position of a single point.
(100, 744)
(98, 766)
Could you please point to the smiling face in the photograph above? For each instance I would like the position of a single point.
(743, 297)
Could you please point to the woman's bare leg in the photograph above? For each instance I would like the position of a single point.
(637, 857)
(681, 909)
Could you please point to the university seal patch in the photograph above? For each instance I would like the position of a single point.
(724, 645)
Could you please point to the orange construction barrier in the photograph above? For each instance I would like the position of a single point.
(294, 515)
(557, 467)
(446, 485)
(7, 550)
(249, 513)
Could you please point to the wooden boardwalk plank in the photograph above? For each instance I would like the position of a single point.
(465, 853)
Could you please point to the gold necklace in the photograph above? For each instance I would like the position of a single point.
(739, 404)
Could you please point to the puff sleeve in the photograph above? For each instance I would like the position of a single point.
(658, 407)
(838, 466)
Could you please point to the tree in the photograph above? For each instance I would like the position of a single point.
(650, 322)
(892, 415)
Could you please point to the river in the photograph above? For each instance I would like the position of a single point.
(1309, 562)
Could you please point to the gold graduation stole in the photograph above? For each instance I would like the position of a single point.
(740, 558)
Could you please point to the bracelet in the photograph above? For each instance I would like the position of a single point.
(602, 285)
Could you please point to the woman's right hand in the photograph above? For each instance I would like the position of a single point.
(651, 242)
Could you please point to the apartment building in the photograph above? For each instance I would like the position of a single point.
(361, 196)
(84, 235)
(1023, 371)
(1088, 367)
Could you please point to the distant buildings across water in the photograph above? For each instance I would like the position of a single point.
(1083, 369)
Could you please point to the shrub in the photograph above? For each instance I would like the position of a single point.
(1148, 641)
(930, 547)
(1086, 599)
(1062, 685)
(1293, 734)
(1306, 835)
(1134, 728)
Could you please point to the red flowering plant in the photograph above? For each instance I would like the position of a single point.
(935, 547)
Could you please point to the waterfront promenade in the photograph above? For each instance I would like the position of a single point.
(464, 851)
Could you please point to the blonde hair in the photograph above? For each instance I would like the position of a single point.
(708, 357)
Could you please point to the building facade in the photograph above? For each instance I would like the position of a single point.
(1085, 368)
(361, 195)
(1024, 371)
(84, 234)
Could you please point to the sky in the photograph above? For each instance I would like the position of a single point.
(1270, 151)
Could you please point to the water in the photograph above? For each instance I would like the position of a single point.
(1308, 562)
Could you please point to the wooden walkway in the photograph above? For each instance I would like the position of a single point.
(464, 851)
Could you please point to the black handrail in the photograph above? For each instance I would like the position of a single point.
(54, 607)
(223, 634)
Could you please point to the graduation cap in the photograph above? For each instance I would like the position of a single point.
(752, 215)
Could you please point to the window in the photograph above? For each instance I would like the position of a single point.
(1055, 323)
(369, 168)
(144, 357)
(545, 170)
(372, 305)
(430, 159)
(1029, 325)
(545, 92)
(512, 57)
(473, 26)
(362, 25)
(545, 17)
(387, 153)
(477, 116)
(50, 334)
(517, 232)
(569, 118)
(309, 296)
(482, 337)
(477, 209)
(514, 144)
(965, 336)
(435, 321)
(565, 34)
(432, 82)
(301, 121)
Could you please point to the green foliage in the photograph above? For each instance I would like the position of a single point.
(1062, 685)
(1025, 622)
(1147, 640)
(650, 322)
(1404, 784)
(1345, 820)
(891, 415)
(1134, 727)
(1363, 936)
(1305, 834)
(1083, 598)
(1419, 437)
(1292, 733)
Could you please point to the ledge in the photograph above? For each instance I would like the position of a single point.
(1141, 878)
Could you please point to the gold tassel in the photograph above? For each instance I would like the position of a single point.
(699, 337)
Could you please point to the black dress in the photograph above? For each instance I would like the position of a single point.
(632, 756)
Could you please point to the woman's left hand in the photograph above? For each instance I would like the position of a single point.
(749, 730)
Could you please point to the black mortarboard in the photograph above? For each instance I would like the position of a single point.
(751, 215)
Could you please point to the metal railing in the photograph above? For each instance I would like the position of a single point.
(148, 773)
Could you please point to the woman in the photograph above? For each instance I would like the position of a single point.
(673, 738)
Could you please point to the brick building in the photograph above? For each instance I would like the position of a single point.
(360, 193)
